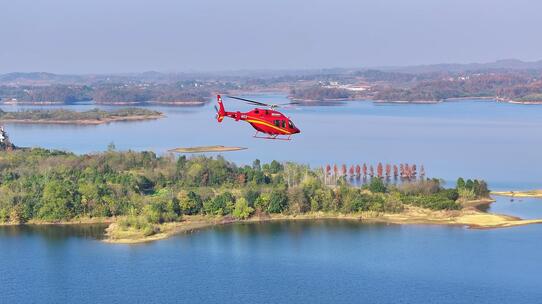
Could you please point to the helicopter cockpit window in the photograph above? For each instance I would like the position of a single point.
(290, 124)
(284, 124)
(277, 123)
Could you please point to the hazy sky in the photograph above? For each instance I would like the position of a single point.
(97, 36)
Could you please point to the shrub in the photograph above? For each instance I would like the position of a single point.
(220, 205)
(377, 185)
(277, 201)
(435, 202)
(242, 210)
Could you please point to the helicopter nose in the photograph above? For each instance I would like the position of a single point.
(296, 131)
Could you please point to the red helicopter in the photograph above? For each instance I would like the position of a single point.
(267, 121)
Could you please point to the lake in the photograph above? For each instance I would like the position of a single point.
(325, 261)
(306, 261)
(498, 142)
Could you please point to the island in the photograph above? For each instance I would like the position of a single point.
(90, 117)
(203, 149)
(145, 197)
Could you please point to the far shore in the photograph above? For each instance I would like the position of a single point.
(529, 193)
(84, 121)
(113, 103)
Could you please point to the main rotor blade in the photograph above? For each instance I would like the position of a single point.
(250, 101)
(282, 105)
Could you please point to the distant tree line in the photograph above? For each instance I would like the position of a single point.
(509, 86)
(68, 115)
(318, 93)
(109, 93)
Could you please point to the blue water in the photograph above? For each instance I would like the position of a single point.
(498, 142)
(286, 262)
(526, 208)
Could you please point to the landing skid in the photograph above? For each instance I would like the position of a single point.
(275, 137)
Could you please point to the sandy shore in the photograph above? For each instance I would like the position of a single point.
(469, 217)
(84, 121)
(206, 149)
(530, 193)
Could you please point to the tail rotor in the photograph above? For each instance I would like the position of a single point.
(220, 111)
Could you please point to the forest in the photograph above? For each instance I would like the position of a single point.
(105, 93)
(319, 93)
(507, 86)
(38, 185)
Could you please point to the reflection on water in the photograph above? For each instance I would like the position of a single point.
(55, 232)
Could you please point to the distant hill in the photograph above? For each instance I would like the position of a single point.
(38, 77)
(234, 75)
(505, 64)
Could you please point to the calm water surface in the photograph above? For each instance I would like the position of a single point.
(526, 208)
(288, 262)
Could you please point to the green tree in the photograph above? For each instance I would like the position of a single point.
(222, 204)
(275, 167)
(277, 201)
(297, 201)
(190, 202)
(469, 184)
(460, 183)
(242, 210)
(262, 202)
(57, 201)
(377, 185)
(251, 195)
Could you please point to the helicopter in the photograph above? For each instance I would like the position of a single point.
(268, 121)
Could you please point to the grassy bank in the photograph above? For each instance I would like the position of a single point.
(469, 217)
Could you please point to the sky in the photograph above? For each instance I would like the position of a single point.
(116, 36)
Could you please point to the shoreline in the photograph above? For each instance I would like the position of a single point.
(85, 121)
(79, 221)
(527, 194)
(470, 217)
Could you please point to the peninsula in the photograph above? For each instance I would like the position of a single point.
(146, 197)
(91, 117)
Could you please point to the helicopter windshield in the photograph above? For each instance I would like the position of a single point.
(291, 124)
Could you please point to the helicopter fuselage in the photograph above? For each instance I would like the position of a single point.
(268, 121)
